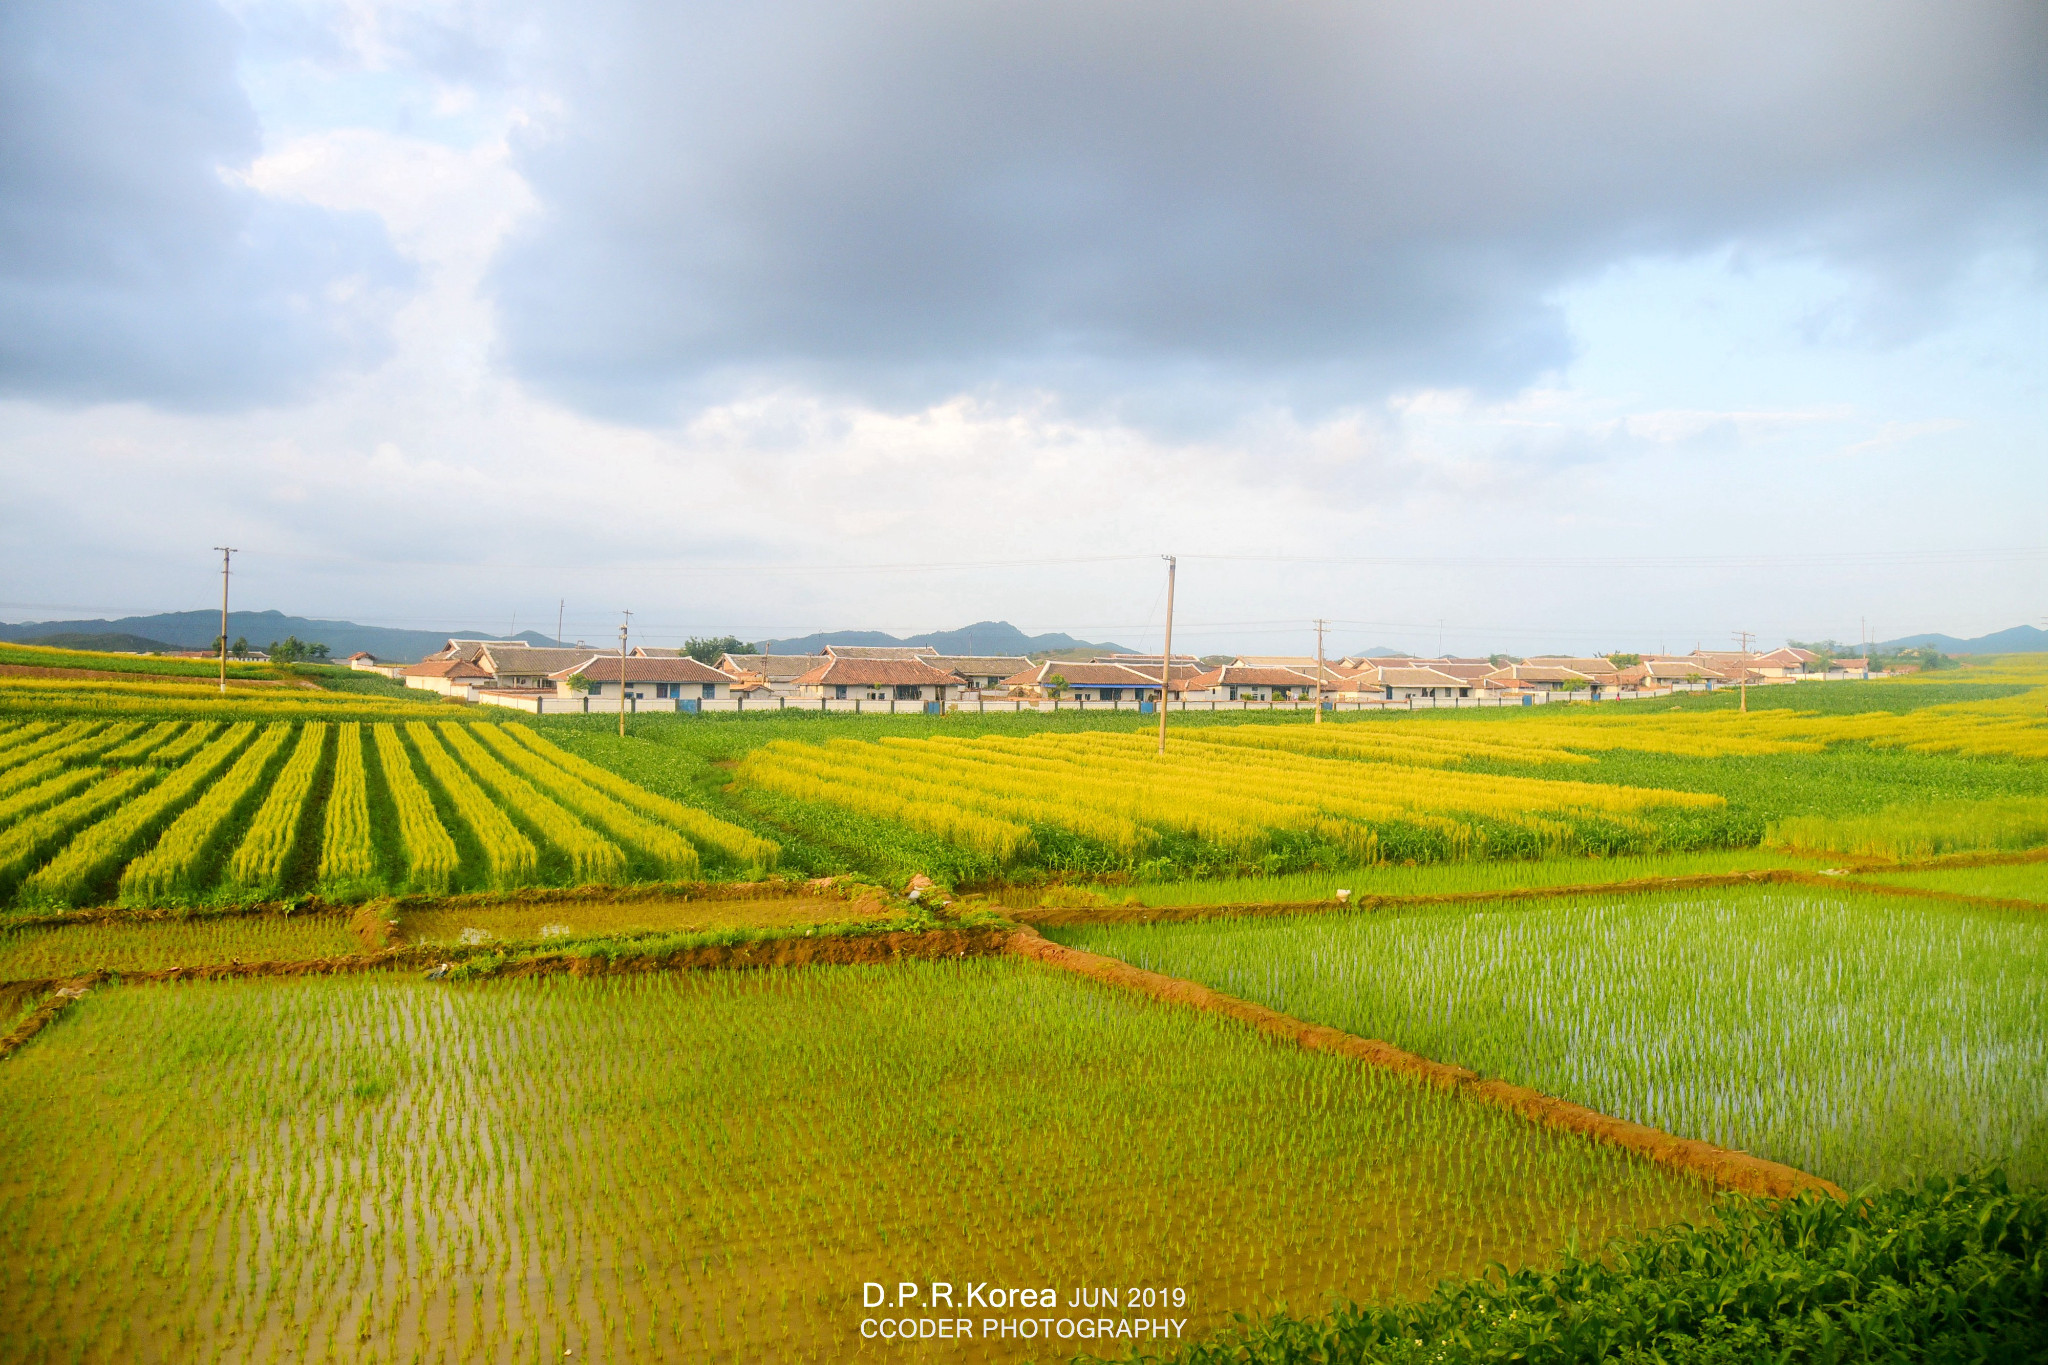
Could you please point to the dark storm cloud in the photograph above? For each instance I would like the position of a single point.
(131, 267)
(1311, 202)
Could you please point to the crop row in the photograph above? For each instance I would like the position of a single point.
(988, 794)
(185, 811)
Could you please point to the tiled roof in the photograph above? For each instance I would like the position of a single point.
(877, 673)
(445, 668)
(1590, 665)
(1234, 675)
(531, 661)
(774, 667)
(985, 665)
(1537, 673)
(1420, 677)
(1298, 662)
(1081, 675)
(880, 651)
(605, 668)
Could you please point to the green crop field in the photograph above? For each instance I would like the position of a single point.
(377, 1168)
(2026, 881)
(1854, 1036)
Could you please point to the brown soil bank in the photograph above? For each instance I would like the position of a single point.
(1728, 1170)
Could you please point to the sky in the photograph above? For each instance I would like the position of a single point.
(1461, 326)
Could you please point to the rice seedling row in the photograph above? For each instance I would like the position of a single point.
(42, 951)
(592, 857)
(348, 852)
(511, 857)
(258, 864)
(1848, 1035)
(710, 1167)
(178, 864)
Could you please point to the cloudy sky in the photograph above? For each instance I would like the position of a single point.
(1510, 326)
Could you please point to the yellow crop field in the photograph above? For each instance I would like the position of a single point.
(275, 804)
(988, 794)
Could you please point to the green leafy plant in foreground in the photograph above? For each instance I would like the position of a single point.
(1947, 1269)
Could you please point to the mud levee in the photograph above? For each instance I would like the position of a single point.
(822, 950)
(58, 996)
(1728, 1170)
(1053, 916)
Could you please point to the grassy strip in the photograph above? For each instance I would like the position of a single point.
(1949, 1269)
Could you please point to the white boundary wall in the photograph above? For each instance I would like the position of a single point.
(548, 704)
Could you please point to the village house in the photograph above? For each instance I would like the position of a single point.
(1087, 682)
(1548, 678)
(449, 677)
(520, 667)
(981, 672)
(1655, 672)
(656, 680)
(1405, 683)
(894, 679)
(767, 675)
(1784, 663)
(1230, 682)
(925, 652)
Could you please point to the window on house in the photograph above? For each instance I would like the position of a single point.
(908, 692)
(660, 691)
(839, 691)
(710, 691)
(1233, 694)
(1111, 694)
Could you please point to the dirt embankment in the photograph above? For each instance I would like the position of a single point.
(1725, 1169)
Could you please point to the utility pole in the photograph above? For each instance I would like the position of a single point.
(1320, 625)
(1439, 637)
(226, 552)
(1744, 637)
(1166, 656)
(561, 605)
(622, 673)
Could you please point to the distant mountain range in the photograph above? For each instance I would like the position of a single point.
(197, 629)
(2018, 640)
(983, 637)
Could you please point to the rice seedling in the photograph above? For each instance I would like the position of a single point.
(84, 746)
(148, 745)
(258, 865)
(741, 847)
(711, 1166)
(1909, 832)
(2011, 881)
(591, 856)
(28, 952)
(511, 856)
(1853, 1036)
(589, 918)
(431, 859)
(99, 848)
(1434, 879)
(348, 854)
(179, 864)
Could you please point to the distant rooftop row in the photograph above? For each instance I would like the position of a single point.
(492, 670)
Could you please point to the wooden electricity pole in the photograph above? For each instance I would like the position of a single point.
(1320, 625)
(226, 551)
(1166, 656)
(622, 673)
(1744, 637)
